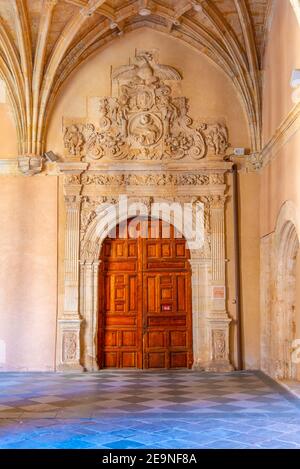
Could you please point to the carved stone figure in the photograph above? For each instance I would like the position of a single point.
(104, 122)
(74, 140)
(217, 139)
(145, 129)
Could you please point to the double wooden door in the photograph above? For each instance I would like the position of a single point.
(145, 316)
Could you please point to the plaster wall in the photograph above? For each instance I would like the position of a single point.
(282, 55)
(8, 134)
(28, 272)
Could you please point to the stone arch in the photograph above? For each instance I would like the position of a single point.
(283, 323)
(296, 6)
(106, 219)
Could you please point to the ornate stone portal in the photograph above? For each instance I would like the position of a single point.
(171, 159)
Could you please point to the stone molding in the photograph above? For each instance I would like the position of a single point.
(9, 167)
(286, 130)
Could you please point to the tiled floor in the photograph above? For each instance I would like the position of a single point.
(146, 410)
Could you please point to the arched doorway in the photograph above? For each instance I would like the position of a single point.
(145, 312)
(284, 326)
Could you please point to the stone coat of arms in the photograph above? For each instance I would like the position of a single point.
(145, 121)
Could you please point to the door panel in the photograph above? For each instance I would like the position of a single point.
(145, 300)
(120, 327)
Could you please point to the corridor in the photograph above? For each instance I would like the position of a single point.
(140, 409)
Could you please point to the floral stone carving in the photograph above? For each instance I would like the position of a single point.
(145, 121)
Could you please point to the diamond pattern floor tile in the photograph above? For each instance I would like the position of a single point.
(136, 409)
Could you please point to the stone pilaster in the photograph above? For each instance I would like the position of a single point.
(217, 318)
(70, 322)
(200, 300)
(89, 310)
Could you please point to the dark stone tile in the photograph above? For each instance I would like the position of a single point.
(125, 444)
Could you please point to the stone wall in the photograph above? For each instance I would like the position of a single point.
(280, 197)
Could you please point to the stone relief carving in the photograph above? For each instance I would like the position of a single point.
(87, 214)
(217, 178)
(150, 179)
(90, 204)
(219, 344)
(145, 121)
(74, 139)
(72, 179)
(89, 207)
(69, 346)
(217, 139)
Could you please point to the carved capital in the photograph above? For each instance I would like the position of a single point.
(72, 202)
(30, 165)
(217, 201)
(254, 161)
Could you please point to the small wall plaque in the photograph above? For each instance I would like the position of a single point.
(218, 292)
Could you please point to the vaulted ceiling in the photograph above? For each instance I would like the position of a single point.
(43, 41)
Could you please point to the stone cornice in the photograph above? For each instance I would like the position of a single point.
(289, 126)
(9, 167)
(39, 167)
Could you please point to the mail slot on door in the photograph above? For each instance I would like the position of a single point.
(166, 307)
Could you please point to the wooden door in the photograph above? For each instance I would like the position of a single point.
(145, 300)
(120, 319)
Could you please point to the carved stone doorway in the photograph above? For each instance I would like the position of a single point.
(78, 325)
(141, 143)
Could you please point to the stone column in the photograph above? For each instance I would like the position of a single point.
(218, 320)
(199, 268)
(69, 323)
(89, 311)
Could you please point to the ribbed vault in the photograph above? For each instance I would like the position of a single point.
(43, 41)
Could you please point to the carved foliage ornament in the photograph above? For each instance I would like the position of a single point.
(144, 121)
(146, 179)
(91, 204)
(69, 346)
(219, 345)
